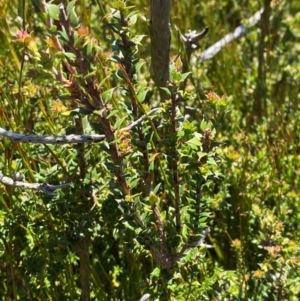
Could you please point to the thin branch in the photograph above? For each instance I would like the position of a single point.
(68, 139)
(44, 187)
(138, 121)
(237, 33)
(51, 139)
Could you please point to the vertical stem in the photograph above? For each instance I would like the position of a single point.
(175, 164)
(260, 93)
(84, 242)
(160, 41)
(84, 245)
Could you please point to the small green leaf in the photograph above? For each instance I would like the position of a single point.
(201, 155)
(53, 28)
(194, 141)
(99, 112)
(107, 95)
(63, 35)
(72, 14)
(70, 56)
(137, 39)
(113, 113)
(132, 16)
(179, 77)
(127, 225)
(153, 198)
(120, 5)
(89, 75)
(141, 94)
(104, 80)
(89, 48)
(185, 75)
(132, 13)
(205, 125)
(184, 232)
(139, 64)
(155, 190)
(119, 122)
(155, 273)
(211, 161)
(167, 90)
(53, 11)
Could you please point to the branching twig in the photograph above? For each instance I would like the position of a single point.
(52, 139)
(68, 139)
(191, 40)
(238, 32)
(44, 187)
(138, 121)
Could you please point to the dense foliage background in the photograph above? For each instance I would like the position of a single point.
(232, 161)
